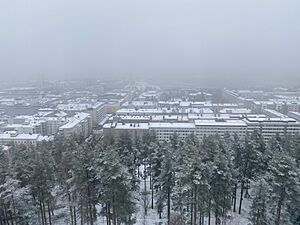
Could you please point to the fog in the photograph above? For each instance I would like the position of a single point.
(232, 42)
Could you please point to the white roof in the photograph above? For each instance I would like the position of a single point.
(172, 125)
(275, 113)
(128, 126)
(230, 123)
(270, 120)
(294, 113)
(235, 110)
(79, 117)
(19, 136)
(78, 106)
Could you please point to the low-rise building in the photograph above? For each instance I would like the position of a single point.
(13, 138)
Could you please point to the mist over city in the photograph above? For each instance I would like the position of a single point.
(231, 42)
(139, 112)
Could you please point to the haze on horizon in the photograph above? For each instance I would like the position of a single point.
(209, 42)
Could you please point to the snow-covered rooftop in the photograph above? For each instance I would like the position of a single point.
(173, 125)
(79, 117)
(221, 122)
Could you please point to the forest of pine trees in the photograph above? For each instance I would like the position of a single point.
(191, 182)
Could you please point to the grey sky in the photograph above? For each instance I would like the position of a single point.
(214, 41)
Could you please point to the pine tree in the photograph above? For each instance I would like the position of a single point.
(237, 172)
(128, 155)
(259, 213)
(115, 186)
(284, 182)
(166, 179)
(221, 186)
(64, 157)
(42, 181)
(254, 162)
(84, 192)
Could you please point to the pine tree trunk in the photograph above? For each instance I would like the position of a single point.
(241, 197)
(279, 206)
(15, 211)
(257, 217)
(247, 195)
(11, 218)
(1, 216)
(81, 212)
(41, 211)
(234, 197)
(209, 209)
(114, 211)
(1, 219)
(195, 204)
(90, 206)
(87, 213)
(44, 211)
(49, 214)
(152, 191)
(71, 209)
(258, 211)
(192, 210)
(201, 212)
(5, 215)
(216, 216)
(108, 222)
(169, 206)
(75, 216)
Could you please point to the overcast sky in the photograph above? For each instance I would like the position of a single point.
(228, 41)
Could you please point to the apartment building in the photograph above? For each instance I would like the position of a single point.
(200, 128)
(97, 110)
(164, 131)
(220, 127)
(13, 138)
(80, 124)
(272, 126)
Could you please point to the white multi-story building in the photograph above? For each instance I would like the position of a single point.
(269, 127)
(36, 124)
(134, 129)
(164, 131)
(220, 127)
(80, 124)
(97, 111)
(13, 138)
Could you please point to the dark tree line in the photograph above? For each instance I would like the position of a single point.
(190, 181)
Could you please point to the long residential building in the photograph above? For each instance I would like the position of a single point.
(272, 126)
(13, 138)
(200, 128)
